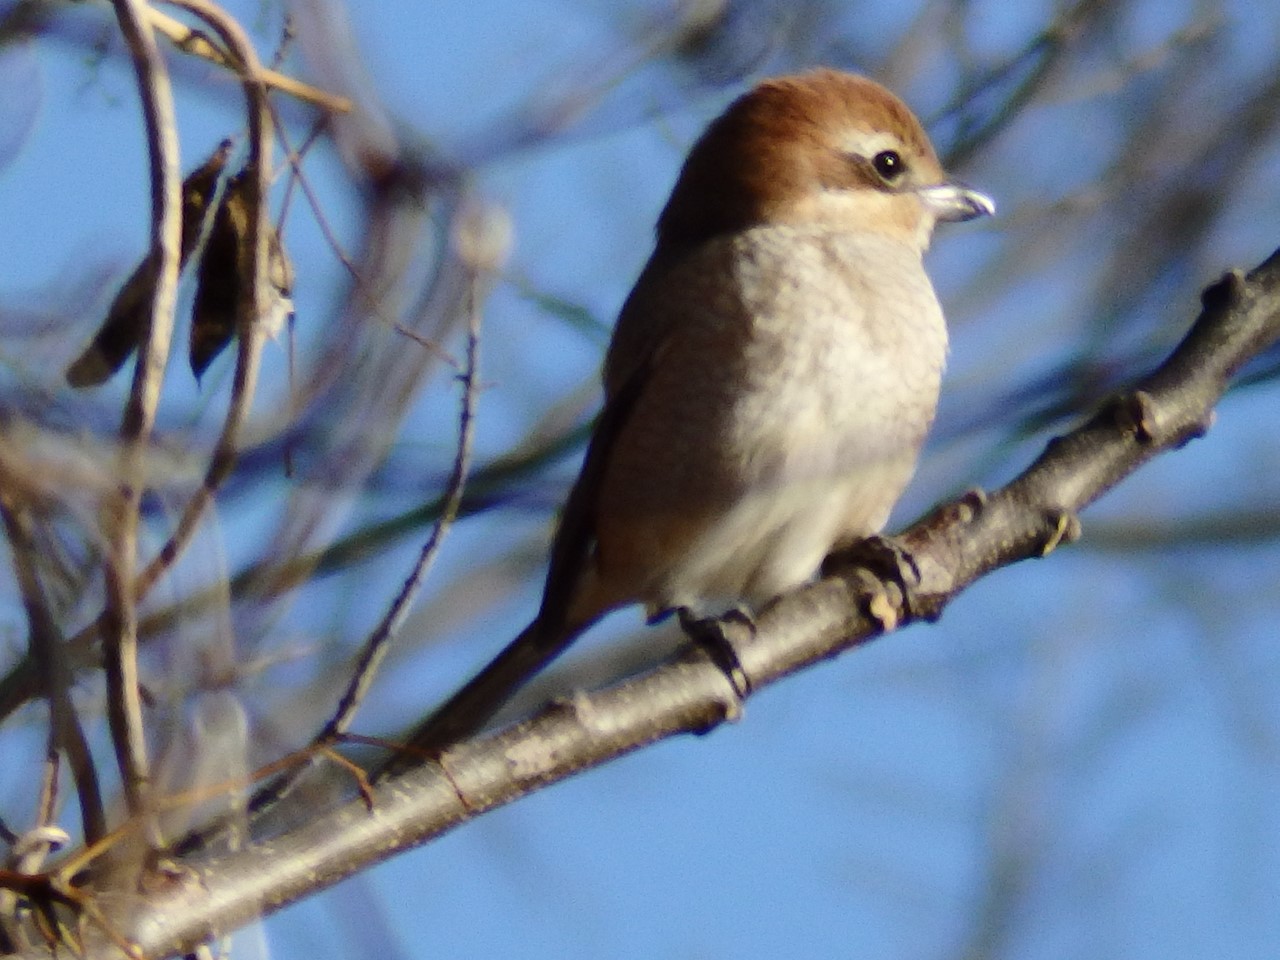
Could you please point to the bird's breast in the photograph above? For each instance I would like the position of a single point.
(781, 414)
(841, 349)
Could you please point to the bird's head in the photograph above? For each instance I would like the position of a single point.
(823, 147)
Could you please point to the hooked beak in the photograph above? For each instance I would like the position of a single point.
(955, 202)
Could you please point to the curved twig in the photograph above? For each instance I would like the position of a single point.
(376, 645)
(192, 41)
(250, 310)
(120, 627)
(65, 730)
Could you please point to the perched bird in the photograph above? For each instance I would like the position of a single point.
(771, 378)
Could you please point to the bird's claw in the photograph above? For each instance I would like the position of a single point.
(714, 635)
(876, 563)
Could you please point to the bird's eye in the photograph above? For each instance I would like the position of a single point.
(889, 164)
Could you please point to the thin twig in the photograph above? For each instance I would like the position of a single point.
(251, 336)
(1034, 63)
(29, 852)
(124, 705)
(331, 238)
(287, 36)
(65, 730)
(294, 159)
(379, 641)
(376, 645)
(192, 41)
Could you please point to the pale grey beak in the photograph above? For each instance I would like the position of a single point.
(955, 202)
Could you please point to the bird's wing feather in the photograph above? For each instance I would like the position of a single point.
(637, 340)
(557, 622)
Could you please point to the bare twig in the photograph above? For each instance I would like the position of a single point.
(250, 309)
(482, 238)
(194, 42)
(1014, 83)
(369, 300)
(376, 645)
(65, 733)
(65, 729)
(124, 707)
(287, 36)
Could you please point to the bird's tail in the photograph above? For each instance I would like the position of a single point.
(473, 706)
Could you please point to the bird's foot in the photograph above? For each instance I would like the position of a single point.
(885, 574)
(718, 636)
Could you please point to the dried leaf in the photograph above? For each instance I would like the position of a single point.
(126, 320)
(225, 275)
(219, 281)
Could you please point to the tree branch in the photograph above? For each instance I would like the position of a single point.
(120, 628)
(952, 547)
(251, 310)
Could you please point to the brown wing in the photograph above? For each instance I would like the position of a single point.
(637, 339)
(631, 353)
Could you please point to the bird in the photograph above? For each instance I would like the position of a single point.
(770, 380)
